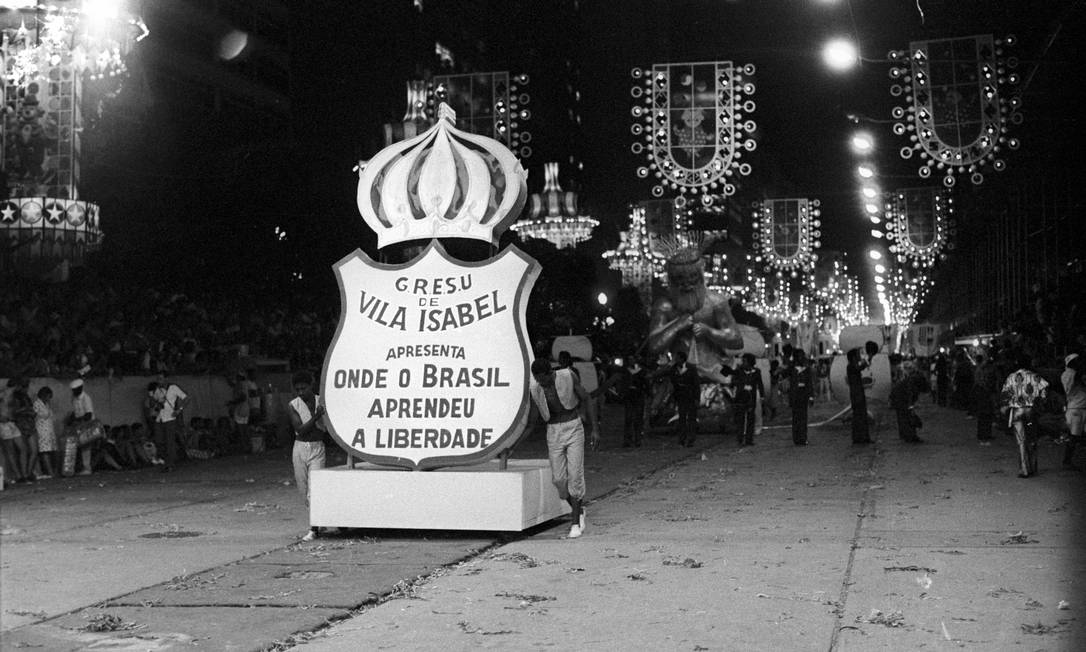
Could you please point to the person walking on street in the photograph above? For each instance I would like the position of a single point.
(1021, 395)
(556, 396)
(306, 418)
(633, 403)
(1073, 380)
(985, 398)
(748, 387)
(861, 433)
(800, 394)
(171, 401)
(903, 397)
(687, 394)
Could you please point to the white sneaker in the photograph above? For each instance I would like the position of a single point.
(310, 535)
(574, 531)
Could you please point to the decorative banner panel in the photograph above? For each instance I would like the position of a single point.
(786, 233)
(693, 121)
(918, 222)
(488, 104)
(960, 104)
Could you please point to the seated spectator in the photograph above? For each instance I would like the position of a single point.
(105, 452)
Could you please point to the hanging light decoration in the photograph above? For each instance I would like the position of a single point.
(692, 125)
(786, 233)
(634, 257)
(554, 215)
(491, 104)
(959, 102)
(919, 222)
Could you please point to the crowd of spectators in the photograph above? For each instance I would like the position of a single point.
(92, 327)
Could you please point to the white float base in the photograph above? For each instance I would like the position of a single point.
(477, 497)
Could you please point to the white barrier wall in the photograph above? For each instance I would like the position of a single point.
(120, 401)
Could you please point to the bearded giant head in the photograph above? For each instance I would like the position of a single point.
(686, 279)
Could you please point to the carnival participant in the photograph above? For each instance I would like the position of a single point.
(904, 394)
(556, 395)
(985, 398)
(306, 418)
(686, 390)
(82, 424)
(800, 394)
(170, 400)
(747, 382)
(1073, 380)
(240, 410)
(633, 403)
(693, 319)
(1021, 394)
(861, 433)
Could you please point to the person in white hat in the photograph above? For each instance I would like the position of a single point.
(82, 413)
(1073, 380)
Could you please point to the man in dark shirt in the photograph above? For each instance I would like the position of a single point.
(903, 396)
(748, 387)
(800, 393)
(686, 389)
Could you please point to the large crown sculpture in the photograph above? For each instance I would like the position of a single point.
(443, 183)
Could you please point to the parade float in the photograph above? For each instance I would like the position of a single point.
(426, 381)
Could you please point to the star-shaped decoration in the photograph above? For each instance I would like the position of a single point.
(55, 214)
(8, 212)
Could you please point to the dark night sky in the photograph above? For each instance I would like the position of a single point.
(801, 106)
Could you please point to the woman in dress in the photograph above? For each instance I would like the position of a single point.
(47, 434)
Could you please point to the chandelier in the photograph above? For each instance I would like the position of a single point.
(91, 36)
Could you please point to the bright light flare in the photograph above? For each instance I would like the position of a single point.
(840, 54)
(862, 142)
(103, 10)
(602, 298)
(874, 254)
(865, 171)
(870, 192)
(880, 269)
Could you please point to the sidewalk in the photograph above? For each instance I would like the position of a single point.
(885, 547)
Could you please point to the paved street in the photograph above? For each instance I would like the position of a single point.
(831, 546)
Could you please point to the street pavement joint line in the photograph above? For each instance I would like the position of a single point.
(397, 590)
(865, 504)
(115, 600)
(147, 513)
(394, 593)
(230, 605)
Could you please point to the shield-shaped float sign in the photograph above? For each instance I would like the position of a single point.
(429, 364)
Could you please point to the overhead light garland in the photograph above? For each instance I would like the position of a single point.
(692, 125)
(959, 102)
(491, 104)
(919, 223)
(786, 233)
